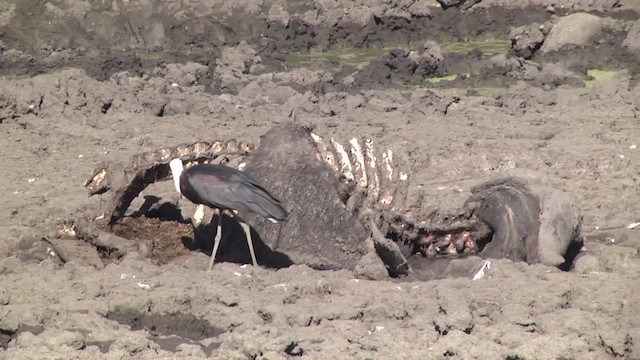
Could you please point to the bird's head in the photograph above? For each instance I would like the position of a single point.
(176, 171)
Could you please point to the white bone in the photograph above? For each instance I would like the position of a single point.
(343, 158)
(374, 183)
(480, 273)
(324, 154)
(359, 168)
(388, 158)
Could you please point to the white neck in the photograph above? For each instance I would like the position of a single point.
(176, 171)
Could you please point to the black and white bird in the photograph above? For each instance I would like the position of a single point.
(224, 188)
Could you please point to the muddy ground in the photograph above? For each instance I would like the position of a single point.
(87, 81)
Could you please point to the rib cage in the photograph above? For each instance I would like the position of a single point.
(374, 188)
(127, 181)
(380, 187)
(370, 183)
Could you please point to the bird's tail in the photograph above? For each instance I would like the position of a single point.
(269, 207)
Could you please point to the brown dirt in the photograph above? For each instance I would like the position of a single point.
(167, 239)
(84, 82)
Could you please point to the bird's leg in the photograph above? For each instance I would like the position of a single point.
(277, 242)
(247, 233)
(216, 240)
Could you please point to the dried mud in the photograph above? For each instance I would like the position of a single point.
(85, 82)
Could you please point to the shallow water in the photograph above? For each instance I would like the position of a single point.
(356, 56)
(599, 76)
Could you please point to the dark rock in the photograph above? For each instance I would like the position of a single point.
(632, 41)
(462, 4)
(402, 67)
(526, 40)
(575, 30)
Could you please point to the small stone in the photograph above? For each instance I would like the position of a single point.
(632, 41)
(5, 299)
(27, 340)
(381, 105)
(225, 97)
(190, 350)
(586, 264)
(354, 101)
(420, 9)
(277, 14)
(73, 339)
(371, 267)
(9, 321)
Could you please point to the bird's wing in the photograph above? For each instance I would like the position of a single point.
(239, 192)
